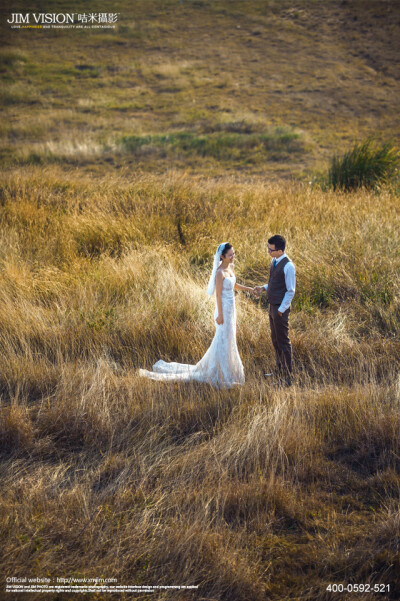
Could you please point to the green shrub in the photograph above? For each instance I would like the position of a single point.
(366, 165)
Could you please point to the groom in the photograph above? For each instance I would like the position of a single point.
(280, 292)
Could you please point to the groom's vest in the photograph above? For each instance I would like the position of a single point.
(276, 285)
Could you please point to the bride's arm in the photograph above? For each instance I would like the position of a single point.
(244, 288)
(219, 278)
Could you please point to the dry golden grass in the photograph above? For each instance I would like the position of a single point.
(253, 493)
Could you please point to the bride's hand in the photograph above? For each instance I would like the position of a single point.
(220, 320)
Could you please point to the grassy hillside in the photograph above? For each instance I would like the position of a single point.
(259, 87)
(127, 157)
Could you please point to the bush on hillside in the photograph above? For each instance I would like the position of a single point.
(366, 165)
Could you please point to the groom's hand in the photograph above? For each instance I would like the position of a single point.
(258, 290)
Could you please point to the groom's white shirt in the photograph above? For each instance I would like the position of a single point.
(290, 281)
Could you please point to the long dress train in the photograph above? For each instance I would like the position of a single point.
(221, 365)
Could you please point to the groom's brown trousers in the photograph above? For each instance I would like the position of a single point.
(280, 339)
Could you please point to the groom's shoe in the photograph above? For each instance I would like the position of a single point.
(279, 377)
(275, 373)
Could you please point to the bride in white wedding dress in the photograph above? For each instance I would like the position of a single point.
(221, 365)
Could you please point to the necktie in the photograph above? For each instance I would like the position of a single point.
(274, 264)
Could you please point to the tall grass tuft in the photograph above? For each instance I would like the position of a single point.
(367, 165)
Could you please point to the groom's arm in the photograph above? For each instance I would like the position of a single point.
(290, 281)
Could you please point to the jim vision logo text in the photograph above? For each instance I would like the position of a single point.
(20, 19)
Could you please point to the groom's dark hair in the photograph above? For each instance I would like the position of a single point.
(279, 242)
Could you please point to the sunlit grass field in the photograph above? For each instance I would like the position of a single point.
(127, 158)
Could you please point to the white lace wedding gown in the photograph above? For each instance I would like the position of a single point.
(221, 366)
